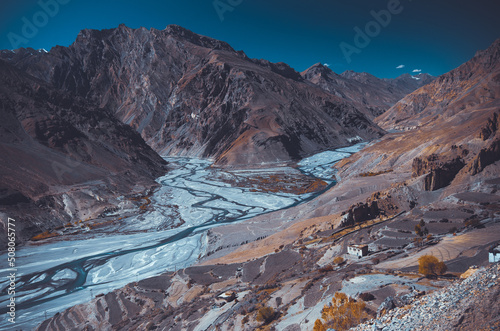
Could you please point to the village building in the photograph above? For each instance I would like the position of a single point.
(494, 255)
(358, 250)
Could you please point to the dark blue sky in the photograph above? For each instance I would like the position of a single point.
(432, 36)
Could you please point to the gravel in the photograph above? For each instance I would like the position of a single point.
(468, 304)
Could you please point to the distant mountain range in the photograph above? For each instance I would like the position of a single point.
(462, 90)
(188, 94)
(115, 100)
(366, 91)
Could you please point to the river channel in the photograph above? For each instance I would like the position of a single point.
(54, 276)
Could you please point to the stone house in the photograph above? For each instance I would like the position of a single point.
(494, 254)
(358, 250)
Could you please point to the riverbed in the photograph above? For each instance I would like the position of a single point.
(170, 235)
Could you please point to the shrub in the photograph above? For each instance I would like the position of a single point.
(44, 235)
(421, 230)
(326, 268)
(342, 314)
(371, 174)
(418, 230)
(474, 223)
(338, 260)
(318, 326)
(429, 265)
(265, 315)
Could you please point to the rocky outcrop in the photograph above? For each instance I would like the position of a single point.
(440, 169)
(373, 94)
(359, 213)
(195, 293)
(471, 304)
(380, 204)
(192, 95)
(490, 128)
(391, 303)
(485, 157)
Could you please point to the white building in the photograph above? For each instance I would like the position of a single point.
(358, 250)
(494, 254)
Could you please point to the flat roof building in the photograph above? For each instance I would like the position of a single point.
(494, 254)
(358, 250)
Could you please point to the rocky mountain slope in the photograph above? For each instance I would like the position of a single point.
(70, 116)
(474, 84)
(188, 94)
(468, 305)
(367, 91)
(63, 157)
(278, 270)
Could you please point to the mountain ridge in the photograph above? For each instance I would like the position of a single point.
(375, 95)
(471, 84)
(65, 159)
(187, 99)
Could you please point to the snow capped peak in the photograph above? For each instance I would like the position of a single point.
(42, 50)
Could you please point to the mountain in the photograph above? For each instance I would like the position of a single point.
(462, 90)
(63, 158)
(365, 90)
(442, 177)
(188, 94)
(86, 124)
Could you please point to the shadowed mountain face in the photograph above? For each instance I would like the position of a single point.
(52, 141)
(368, 92)
(188, 94)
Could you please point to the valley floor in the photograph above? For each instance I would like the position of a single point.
(99, 255)
(294, 260)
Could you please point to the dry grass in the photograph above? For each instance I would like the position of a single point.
(44, 235)
(372, 174)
